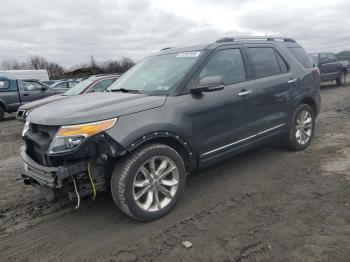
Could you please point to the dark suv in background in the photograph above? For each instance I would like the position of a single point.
(174, 112)
(330, 68)
(97, 83)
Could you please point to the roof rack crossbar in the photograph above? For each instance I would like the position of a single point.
(259, 38)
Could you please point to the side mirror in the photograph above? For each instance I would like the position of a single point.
(43, 87)
(209, 84)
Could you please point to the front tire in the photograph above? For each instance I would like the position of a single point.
(302, 128)
(147, 184)
(341, 79)
(2, 113)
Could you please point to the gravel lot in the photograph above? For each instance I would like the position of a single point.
(265, 205)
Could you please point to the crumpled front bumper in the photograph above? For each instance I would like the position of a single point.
(54, 177)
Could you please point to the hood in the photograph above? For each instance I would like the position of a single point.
(93, 107)
(41, 102)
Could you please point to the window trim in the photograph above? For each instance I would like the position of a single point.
(284, 60)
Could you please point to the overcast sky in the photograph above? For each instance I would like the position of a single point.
(68, 32)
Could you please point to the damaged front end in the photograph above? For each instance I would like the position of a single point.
(72, 160)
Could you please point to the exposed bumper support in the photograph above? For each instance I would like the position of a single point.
(50, 176)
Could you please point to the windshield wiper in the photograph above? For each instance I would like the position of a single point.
(134, 91)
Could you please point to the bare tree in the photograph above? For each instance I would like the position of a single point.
(93, 62)
(126, 63)
(57, 71)
(37, 62)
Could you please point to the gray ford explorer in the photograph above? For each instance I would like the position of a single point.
(174, 112)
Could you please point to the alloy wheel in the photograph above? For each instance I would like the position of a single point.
(303, 127)
(155, 183)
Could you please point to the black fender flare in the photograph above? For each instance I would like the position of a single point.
(158, 135)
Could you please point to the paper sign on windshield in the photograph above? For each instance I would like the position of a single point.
(188, 54)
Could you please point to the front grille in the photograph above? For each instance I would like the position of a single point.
(38, 139)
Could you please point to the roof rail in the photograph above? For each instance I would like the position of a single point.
(225, 39)
(257, 38)
(166, 48)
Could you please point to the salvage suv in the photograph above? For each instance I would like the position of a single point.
(180, 110)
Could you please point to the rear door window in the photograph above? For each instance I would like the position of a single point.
(265, 61)
(71, 84)
(4, 84)
(62, 85)
(101, 85)
(303, 58)
(331, 57)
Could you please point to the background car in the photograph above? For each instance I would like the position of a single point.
(64, 84)
(16, 92)
(92, 84)
(330, 68)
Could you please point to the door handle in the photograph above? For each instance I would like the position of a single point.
(25, 94)
(245, 92)
(291, 81)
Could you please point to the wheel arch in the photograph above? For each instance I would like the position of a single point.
(311, 102)
(170, 139)
(2, 104)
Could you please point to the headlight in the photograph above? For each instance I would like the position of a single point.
(69, 137)
(25, 128)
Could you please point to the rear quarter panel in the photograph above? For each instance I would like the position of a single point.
(307, 86)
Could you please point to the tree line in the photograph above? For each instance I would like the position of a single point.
(57, 71)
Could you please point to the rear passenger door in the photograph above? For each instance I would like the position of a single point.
(273, 83)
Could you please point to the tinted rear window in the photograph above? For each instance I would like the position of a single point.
(303, 58)
(264, 61)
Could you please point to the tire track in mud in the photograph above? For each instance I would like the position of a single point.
(249, 231)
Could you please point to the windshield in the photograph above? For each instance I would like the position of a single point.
(78, 88)
(157, 74)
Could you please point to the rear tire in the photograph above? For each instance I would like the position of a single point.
(147, 184)
(2, 113)
(341, 79)
(301, 129)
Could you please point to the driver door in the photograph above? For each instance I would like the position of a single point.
(220, 119)
(32, 90)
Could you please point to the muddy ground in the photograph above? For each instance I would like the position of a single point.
(265, 205)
